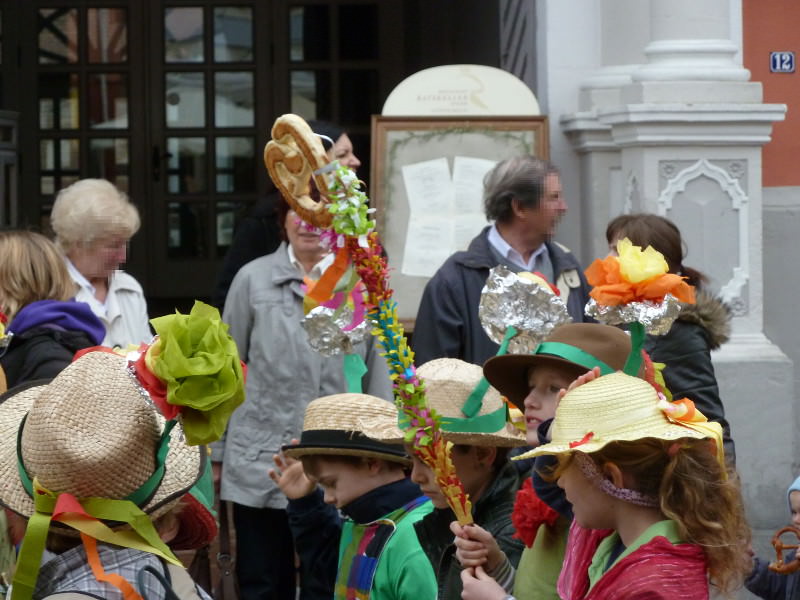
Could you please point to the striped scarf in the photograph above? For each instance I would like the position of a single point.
(360, 558)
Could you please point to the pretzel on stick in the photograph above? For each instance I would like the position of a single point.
(294, 156)
(780, 566)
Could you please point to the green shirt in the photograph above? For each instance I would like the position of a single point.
(540, 565)
(667, 529)
(404, 571)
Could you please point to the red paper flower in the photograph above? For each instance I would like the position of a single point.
(530, 512)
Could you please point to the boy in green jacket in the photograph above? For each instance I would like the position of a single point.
(379, 556)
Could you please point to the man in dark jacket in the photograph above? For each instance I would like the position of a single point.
(523, 196)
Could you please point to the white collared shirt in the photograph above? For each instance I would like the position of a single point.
(317, 270)
(507, 252)
(124, 312)
(89, 291)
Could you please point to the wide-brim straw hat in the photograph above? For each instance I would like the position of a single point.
(575, 346)
(332, 426)
(91, 432)
(448, 384)
(612, 408)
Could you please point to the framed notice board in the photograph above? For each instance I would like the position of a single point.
(427, 186)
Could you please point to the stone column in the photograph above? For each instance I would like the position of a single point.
(686, 136)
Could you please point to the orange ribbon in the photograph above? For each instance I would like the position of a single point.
(323, 289)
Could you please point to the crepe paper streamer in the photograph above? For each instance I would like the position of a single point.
(437, 456)
(323, 289)
(635, 275)
(113, 579)
(83, 515)
(684, 412)
(654, 375)
(634, 361)
(475, 400)
(197, 360)
(354, 369)
(488, 423)
(573, 354)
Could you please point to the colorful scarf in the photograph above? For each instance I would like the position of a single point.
(360, 559)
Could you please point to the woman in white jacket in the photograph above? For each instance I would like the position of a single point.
(94, 222)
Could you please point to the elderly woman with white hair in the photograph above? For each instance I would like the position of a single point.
(93, 222)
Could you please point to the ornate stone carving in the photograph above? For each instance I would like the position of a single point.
(732, 291)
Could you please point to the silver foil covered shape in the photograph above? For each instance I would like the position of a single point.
(326, 334)
(657, 317)
(510, 300)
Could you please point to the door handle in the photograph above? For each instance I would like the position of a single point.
(156, 158)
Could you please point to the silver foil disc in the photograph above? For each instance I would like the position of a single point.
(510, 300)
(327, 335)
(657, 318)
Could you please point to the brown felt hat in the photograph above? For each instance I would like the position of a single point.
(576, 346)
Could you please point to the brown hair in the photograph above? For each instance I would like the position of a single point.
(693, 492)
(32, 269)
(520, 177)
(644, 229)
(311, 462)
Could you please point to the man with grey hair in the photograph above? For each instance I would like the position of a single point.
(523, 196)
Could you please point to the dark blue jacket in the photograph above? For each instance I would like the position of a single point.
(447, 322)
(773, 586)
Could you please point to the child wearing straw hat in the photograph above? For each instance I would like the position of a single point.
(656, 512)
(532, 383)
(475, 421)
(378, 557)
(99, 459)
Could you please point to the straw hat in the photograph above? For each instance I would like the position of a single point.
(91, 432)
(612, 408)
(332, 425)
(448, 384)
(575, 346)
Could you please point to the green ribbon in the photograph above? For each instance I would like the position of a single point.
(140, 496)
(573, 354)
(143, 535)
(634, 362)
(488, 423)
(475, 400)
(354, 369)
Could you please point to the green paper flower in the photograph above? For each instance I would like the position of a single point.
(198, 361)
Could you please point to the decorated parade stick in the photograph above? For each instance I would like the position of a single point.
(293, 158)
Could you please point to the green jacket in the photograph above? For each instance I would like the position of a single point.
(403, 572)
(492, 511)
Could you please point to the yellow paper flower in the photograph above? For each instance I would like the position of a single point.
(637, 265)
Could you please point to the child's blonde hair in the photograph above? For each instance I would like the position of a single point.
(31, 269)
(693, 491)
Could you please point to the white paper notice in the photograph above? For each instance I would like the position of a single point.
(445, 213)
(428, 244)
(429, 187)
(468, 174)
(465, 228)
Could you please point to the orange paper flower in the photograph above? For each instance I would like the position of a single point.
(612, 288)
